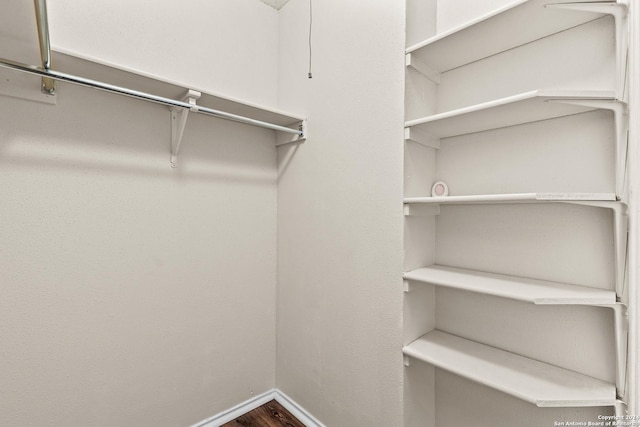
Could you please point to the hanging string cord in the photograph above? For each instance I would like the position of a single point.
(310, 27)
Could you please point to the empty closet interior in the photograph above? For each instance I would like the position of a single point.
(516, 281)
(390, 213)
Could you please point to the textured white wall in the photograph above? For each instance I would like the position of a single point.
(340, 213)
(134, 293)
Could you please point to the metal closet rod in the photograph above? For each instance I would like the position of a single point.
(57, 75)
(42, 21)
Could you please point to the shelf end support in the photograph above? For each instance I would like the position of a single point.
(406, 360)
(421, 210)
(407, 286)
(283, 138)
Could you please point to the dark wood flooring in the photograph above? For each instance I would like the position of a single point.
(271, 414)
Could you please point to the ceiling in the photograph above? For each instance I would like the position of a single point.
(277, 4)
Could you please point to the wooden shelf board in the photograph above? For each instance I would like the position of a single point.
(533, 381)
(520, 22)
(515, 198)
(69, 62)
(511, 287)
(514, 110)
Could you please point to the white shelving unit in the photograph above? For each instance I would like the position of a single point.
(415, 206)
(514, 110)
(539, 383)
(523, 22)
(533, 291)
(524, 108)
(96, 69)
(484, 36)
(538, 292)
(181, 98)
(514, 198)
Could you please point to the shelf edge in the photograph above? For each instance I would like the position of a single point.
(88, 58)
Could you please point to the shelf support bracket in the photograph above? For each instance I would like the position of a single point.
(620, 240)
(621, 338)
(406, 360)
(621, 321)
(621, 122)
(414, 63)
(407, 286)
(619, 11)
(620, 409)
(178, 122)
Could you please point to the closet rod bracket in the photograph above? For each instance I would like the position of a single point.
(178, 122)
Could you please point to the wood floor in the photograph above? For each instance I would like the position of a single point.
(271, 414)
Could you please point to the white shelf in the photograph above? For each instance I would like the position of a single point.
(516, 288)
(520, 22)
(582, 198)
(91, 68)
(514, 110)
(539, 383)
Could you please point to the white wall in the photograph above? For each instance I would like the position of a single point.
(225, 46)
(453, 13)
(134, 293)
(340, 213)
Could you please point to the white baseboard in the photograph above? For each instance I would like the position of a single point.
(296, 410)
(289, 404)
